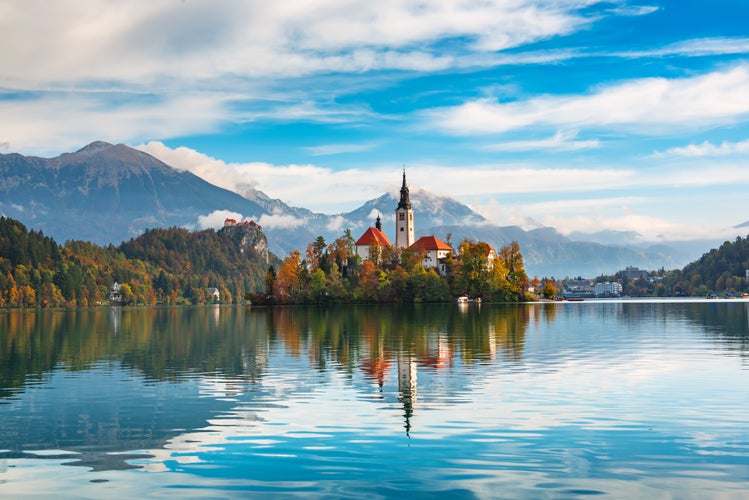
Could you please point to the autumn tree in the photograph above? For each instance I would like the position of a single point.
(368, 281)
(548, 289)
(412, 257)
(471, 272)
(512, 260)
(288, 281)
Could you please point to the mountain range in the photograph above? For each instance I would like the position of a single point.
(107, 193)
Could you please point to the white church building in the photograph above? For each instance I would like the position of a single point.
(435, 249)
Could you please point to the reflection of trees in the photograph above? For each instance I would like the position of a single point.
(164, 343)
(392, 342)
(167, 343)
(392, 347)
(382, 343)
(371, 336)
(132, 413)
(33, 342)
(728, 321)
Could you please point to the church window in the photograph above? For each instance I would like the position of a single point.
(401, 229)
(401, 216)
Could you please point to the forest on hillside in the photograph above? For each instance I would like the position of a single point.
(721, 270)
(169, 266)
(177, 266)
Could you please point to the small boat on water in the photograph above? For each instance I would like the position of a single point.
(712, 296)
(466, 300)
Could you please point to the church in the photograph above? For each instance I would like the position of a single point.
(374, 238)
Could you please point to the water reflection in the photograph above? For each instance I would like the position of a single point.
(104, 381)
(131, 353)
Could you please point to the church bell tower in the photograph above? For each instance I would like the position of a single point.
(404, 219)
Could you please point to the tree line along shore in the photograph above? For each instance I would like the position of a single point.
(176, 266)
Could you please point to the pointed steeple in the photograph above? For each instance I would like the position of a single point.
(404, 202)
(404, 219)
(378, 223)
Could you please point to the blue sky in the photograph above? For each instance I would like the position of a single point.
(576, 114)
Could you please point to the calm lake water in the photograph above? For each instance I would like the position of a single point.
(567, 400)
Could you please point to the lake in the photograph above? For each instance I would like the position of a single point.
(614, 399)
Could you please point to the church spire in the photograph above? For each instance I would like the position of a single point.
(404, 202)
(404, 219)
(378, 223)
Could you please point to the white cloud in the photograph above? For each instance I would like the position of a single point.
(651, 201)
(650, 105)
(336, 223)
(707, 149)
(592, 215)
(634, 10)
(280, 221)
(138, 70)
(651, 228)
(695, 47)
(582, 204)
(216, 219)
(310, 186)
(520, 178)
(561, 141)
(137, 41)
(328, 191)
(53, 123)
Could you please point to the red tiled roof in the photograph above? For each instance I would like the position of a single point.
(431, 243)
(373, 236)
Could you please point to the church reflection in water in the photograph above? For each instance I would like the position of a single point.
(384, 350)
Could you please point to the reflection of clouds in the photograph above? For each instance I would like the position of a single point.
(647, 388)
(570, 411)
(549, 388)
(48, 479)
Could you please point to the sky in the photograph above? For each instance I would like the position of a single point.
(580, 115)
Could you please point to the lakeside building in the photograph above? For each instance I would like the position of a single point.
(608, 289)
(214, 294)
(436, 251)
(580, 288)
(634, 273)
(115, 292)
(374, 238)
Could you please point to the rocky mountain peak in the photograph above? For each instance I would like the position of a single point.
(94, 147)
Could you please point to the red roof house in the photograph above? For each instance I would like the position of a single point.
(372, 237)
(435, 250)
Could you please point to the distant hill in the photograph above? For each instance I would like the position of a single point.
(722, 269)
(170, 265)
(548, 253)
(107, 193)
